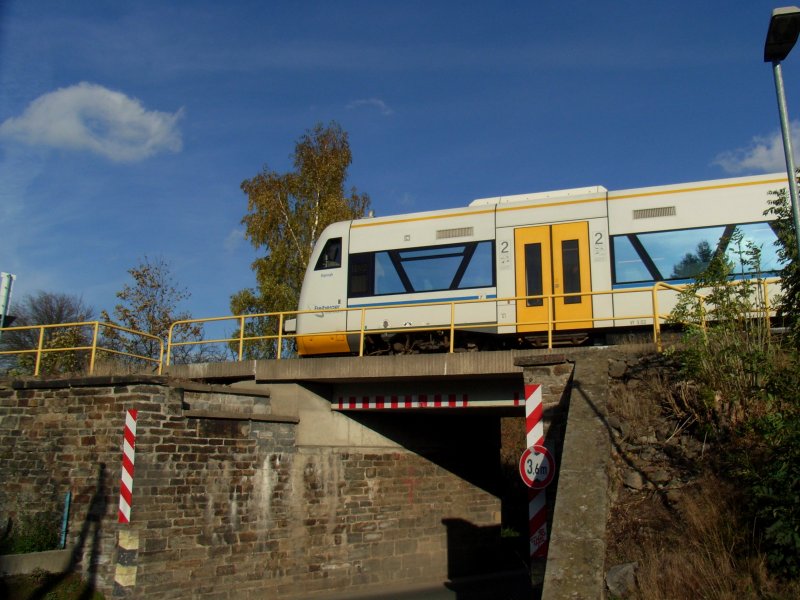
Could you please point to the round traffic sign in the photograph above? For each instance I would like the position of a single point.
(537, 467)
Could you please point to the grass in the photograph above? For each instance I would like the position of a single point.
(41, 585)
(706, 555)
(702, 542)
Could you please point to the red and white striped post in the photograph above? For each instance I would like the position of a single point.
(126, 481)
(537, 499)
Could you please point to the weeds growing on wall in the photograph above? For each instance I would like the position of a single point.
(788, 306)
(701, 561)
(742, 385)
(50, 586)
(31, 533)
(727, 348)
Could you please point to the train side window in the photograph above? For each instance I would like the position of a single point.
(387, 281)
(331, 256)
(360, 280)
(458, 266)
(629, 267)
(430, 269)
(757, 235)
(433, 268)
(681, 253)
(571, 263)
(533, 274)
(480, 270)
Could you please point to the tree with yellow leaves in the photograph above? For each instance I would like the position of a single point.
(286, 215)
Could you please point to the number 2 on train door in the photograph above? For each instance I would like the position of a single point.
(553, 259)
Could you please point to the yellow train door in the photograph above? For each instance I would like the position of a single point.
(553, 259)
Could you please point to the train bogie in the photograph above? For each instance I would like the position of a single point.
(507, 270)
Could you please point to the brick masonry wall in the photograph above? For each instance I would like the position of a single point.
(224, 503)
(57, 439)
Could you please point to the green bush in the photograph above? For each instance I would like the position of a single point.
(746, 390)
(768, 465)
(789, 302)
(727, 350)
(32, 533)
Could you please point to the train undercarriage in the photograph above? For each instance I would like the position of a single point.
(468, 341)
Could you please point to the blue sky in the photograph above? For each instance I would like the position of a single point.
(126, 128)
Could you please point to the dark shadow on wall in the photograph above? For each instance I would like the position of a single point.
(463, 442)
(515, 505)
(516, 496)
(3, 535)
(473, 445)
(483, 565)
(626, 455)
(90, 534)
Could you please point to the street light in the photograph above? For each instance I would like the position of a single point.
(784, 27)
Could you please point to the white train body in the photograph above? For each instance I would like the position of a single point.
(494, 251)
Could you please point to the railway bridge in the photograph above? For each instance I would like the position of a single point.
(325, 478)
(465, 411)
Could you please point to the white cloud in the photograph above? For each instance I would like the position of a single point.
(374, 102)
(234, 240)
(764, 154)
(407, 200)
(91, 117)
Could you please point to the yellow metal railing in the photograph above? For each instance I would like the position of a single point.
(548, 326)
(240, 339)
(93, 346)
(763, 284)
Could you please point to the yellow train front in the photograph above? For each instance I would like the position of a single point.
(522, 270)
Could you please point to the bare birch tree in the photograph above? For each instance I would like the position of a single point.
(150, 305)
(47, 308)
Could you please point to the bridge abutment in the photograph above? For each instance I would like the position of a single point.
(263, 486)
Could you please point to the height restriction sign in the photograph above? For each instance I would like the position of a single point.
(536, 467)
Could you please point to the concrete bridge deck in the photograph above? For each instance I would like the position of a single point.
(464, 365)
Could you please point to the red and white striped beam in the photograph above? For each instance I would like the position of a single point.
(537, 499)
(406, 401)
(126, 481)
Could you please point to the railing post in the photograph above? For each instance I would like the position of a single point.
(241, 337)
(452, 327)
(93, 353)
(550, 318)
(169, 342)
(161, 356)
(767, 320)
(703, 318)
(39, 352)
(656, 319)
(280, 336)
(361, 333)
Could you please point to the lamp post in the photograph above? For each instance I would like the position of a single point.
(784, 27)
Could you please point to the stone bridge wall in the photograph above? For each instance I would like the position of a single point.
(225, 504)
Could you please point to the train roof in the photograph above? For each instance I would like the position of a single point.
(583, 191)
(699, 186)
(578, 194)
(776, 178)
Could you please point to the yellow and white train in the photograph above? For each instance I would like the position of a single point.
(501, 271)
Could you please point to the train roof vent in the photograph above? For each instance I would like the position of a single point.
(443, 234)
(651, 213)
